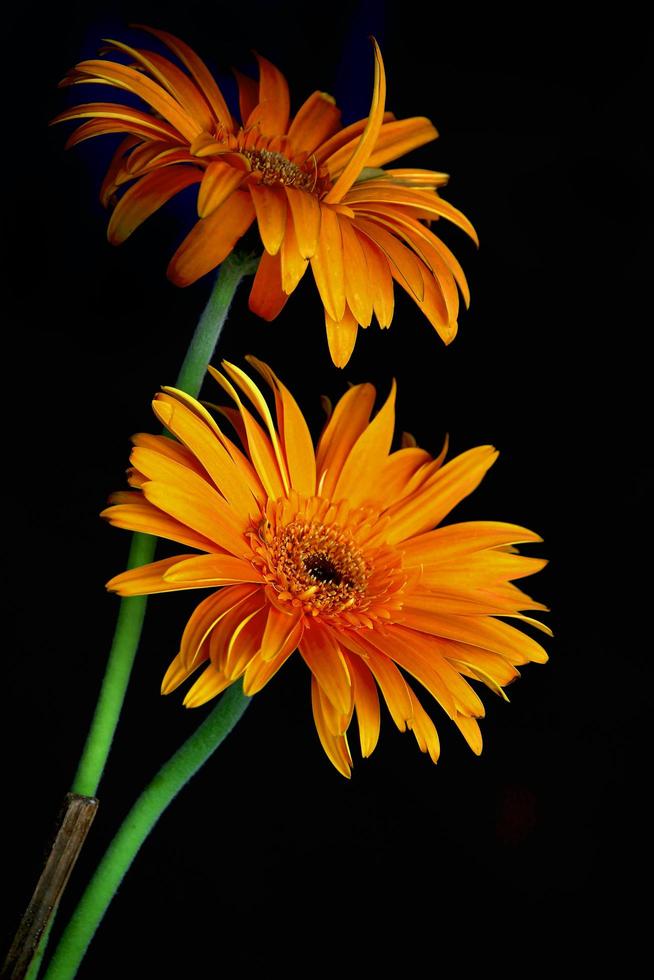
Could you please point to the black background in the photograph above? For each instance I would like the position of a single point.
(269, 858)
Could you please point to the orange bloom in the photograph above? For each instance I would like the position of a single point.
(334, 552)
(316, 190)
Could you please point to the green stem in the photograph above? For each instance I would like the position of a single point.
(132, 609)
(136, 827)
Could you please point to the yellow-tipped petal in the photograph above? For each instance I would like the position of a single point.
(360, 157)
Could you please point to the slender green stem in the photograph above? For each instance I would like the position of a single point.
(132, 609)
(136, 827)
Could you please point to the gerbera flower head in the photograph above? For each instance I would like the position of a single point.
(338, 552)
(316, 189)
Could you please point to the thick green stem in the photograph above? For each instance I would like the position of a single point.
(136, 827)
(132, 609)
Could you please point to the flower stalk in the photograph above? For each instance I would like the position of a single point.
(132, 612)
(132, 609)
(135, 828)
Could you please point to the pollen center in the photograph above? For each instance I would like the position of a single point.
(318, 564)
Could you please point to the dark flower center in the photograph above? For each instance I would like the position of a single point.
(322, 569)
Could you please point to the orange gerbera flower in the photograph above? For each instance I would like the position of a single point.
(315, 189)
(333, 552)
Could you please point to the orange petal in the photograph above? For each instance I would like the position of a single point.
(358, 285)
(139, 515)
(208, 686)
(305, 211)
(264, 452)
(369, 136)
(260, 671)
(316, 120)
(212, 570)
(341, 337)
(204, 511)
(359, 478)
(219, 182)
(282, 633)
(270, 206)
(295, 434)
(209, 451)
(145, 580)
(211, 240)
(180, 87)
(110, 117)
(131, 80)
(327, 264)
(272, 112)
(145, 197)
(380, 278)
(177, 674)
(424, 730)
(427, 507)
(366, 702)
(489, 634)
(391, 683)
(342, 144)
(248, 93)
(348, 420)
(403, 263)
(267, 298)
(471, 732)
(198, 71)
(206, 616)
(293, 264)
(323, 656)
(335, 746)
(399, 137)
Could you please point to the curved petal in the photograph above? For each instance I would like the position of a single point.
(341, 337)
(427, 507)
(369, 136)
(219, 182)
(270, 205)
(359, 478)
(146, 196)
(198, 70)
(211, 240)
(335, 746)
(327, 264)
(316, 120)
(347, 422)
(267, 298)
(146, 579)
(272, 112)
(306, 213)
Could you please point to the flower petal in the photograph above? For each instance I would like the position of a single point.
(366, 703)
(146, 196)
(327, 264)
(306, 214)
(270, 206)
(211, 240)
(267, 298)
(272, 112)
(341, 337)
(427, 507)
(316, 120)
(146, 579)
(335, 746)
(359, 476)
(214, 570)
(346, 424)
(323, 656)
(198, 71)
(366, 144)
(219, 182)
